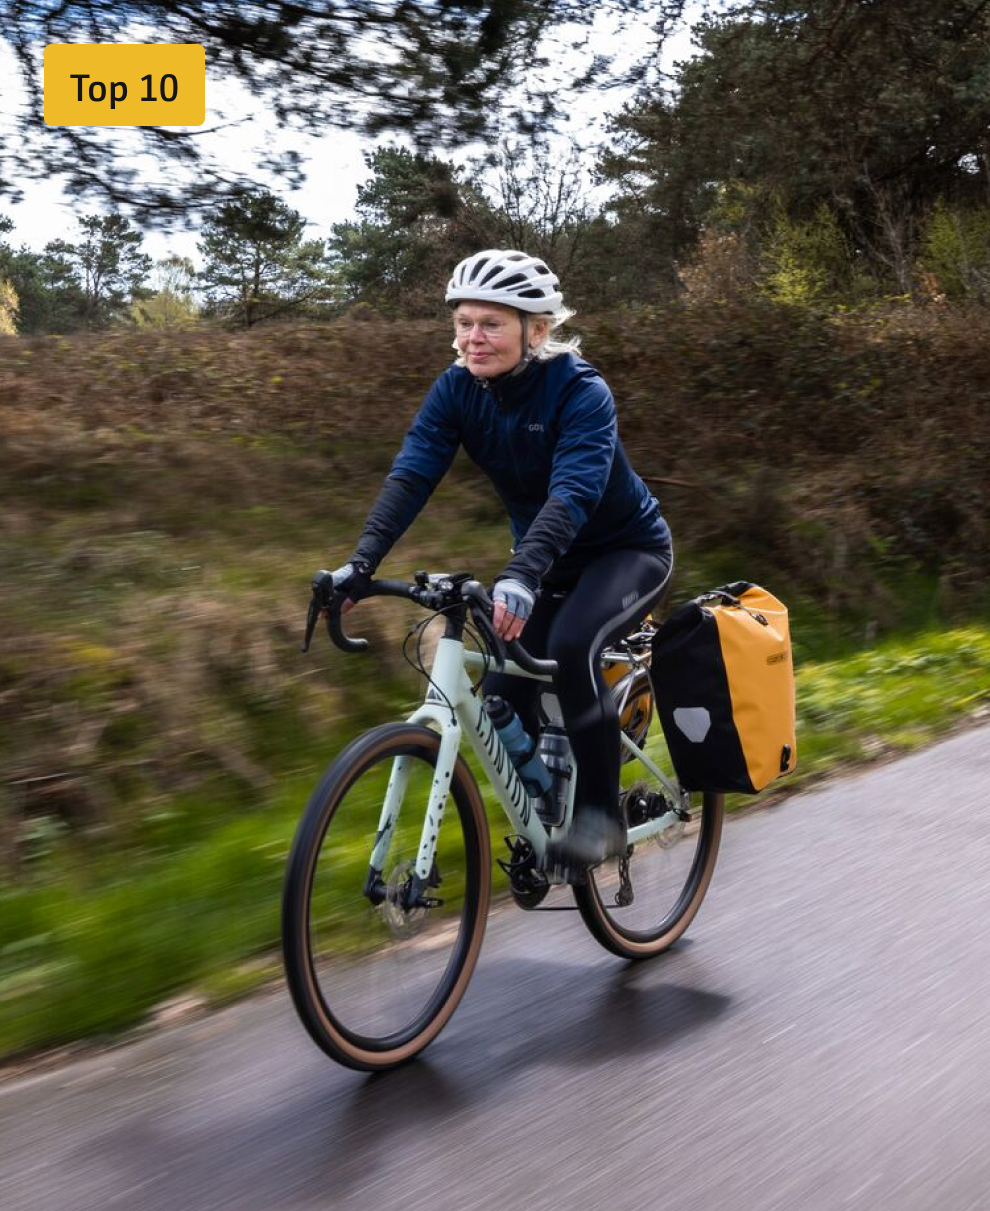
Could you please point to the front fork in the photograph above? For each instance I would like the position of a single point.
(424, 872)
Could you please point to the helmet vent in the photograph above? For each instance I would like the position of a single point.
(495, 270)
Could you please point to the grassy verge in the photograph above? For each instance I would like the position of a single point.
(90, 947)
(893, 698)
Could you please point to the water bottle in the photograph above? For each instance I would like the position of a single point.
(555, 749)
(521, 749)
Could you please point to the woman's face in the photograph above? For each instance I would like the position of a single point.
(489, 337)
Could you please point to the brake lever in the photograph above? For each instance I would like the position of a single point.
(474, 592)
(323, 591)
(495, 641)
(311, 616)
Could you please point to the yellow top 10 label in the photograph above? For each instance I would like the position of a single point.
(95, 84)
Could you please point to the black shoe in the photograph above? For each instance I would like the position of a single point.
(593, 837)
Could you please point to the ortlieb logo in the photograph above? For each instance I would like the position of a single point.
(776, 658)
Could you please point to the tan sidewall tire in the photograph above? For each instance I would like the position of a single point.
(363, 752)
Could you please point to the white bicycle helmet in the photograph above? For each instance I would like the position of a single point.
(505, 276)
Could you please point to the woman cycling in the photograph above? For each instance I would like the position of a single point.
(592, 552)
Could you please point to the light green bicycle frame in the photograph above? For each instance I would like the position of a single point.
(452, 708)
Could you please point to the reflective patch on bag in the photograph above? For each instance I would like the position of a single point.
(694, 721)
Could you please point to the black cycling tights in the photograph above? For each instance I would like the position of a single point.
(571, 623)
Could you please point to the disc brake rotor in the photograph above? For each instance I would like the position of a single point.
(402, 922)
(667, 838)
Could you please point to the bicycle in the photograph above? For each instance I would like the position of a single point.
(387, 889)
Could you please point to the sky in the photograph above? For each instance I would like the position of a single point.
(334, 163)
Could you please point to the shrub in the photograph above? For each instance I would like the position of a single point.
(955, 250)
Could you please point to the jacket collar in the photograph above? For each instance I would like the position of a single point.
(510, 389)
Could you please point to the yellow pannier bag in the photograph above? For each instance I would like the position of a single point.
(723, 679)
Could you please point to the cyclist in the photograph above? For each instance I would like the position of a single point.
(592, 551)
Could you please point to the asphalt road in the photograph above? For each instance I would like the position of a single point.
(821, 1040)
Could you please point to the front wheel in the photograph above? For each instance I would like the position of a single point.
(375, 982)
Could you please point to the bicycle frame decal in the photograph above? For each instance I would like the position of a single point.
(489, 738)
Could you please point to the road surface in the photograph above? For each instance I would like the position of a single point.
(819, 1041)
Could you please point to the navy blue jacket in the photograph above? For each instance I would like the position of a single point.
(547, 438)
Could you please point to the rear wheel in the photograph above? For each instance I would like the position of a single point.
(667, 875)
(374, 983)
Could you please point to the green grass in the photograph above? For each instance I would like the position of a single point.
(86, 954)
(90, 944)
(894, 697)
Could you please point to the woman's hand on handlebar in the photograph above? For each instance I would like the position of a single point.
(354, 579)
(513, 605)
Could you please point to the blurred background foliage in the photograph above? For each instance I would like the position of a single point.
(786, 289)
(825, 153)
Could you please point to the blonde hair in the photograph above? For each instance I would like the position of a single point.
(550, 348)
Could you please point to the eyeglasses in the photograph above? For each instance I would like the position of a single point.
(492, 329)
